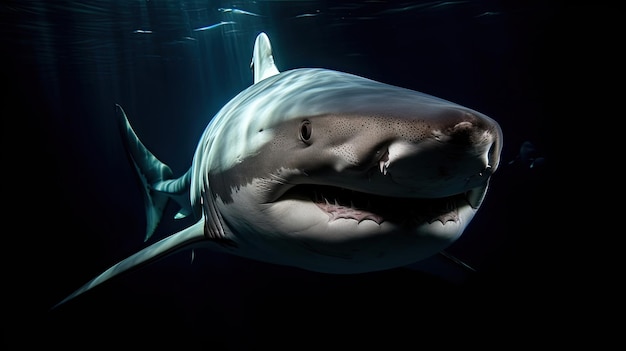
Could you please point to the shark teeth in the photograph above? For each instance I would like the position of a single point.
(341, 203)
(336, 211)
(384, 163)
(383, 166)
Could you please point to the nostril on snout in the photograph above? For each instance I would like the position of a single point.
(461, 133)
(463, 125)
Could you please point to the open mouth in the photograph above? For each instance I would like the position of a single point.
(341, 203)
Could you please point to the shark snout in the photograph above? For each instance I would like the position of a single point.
(448, 160)
(461, 133)
(468, 129)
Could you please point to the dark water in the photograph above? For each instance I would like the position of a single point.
(78, 208)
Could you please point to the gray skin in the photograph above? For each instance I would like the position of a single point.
(408, 171)
(322, 170)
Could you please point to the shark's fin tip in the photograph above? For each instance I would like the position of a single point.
(263, 59)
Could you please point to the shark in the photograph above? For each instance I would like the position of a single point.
(322, 170)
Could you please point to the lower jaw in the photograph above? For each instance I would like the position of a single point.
(339, 203)
(444, 212)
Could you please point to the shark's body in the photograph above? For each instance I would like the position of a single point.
(322, 170)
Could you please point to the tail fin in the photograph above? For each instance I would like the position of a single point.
(149, 170)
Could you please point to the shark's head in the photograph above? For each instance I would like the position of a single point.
(337, 173)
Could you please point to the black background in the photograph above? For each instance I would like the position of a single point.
(75, 208)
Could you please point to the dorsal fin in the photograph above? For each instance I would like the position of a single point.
(262, 64)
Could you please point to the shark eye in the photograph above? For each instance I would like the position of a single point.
(305, 131)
